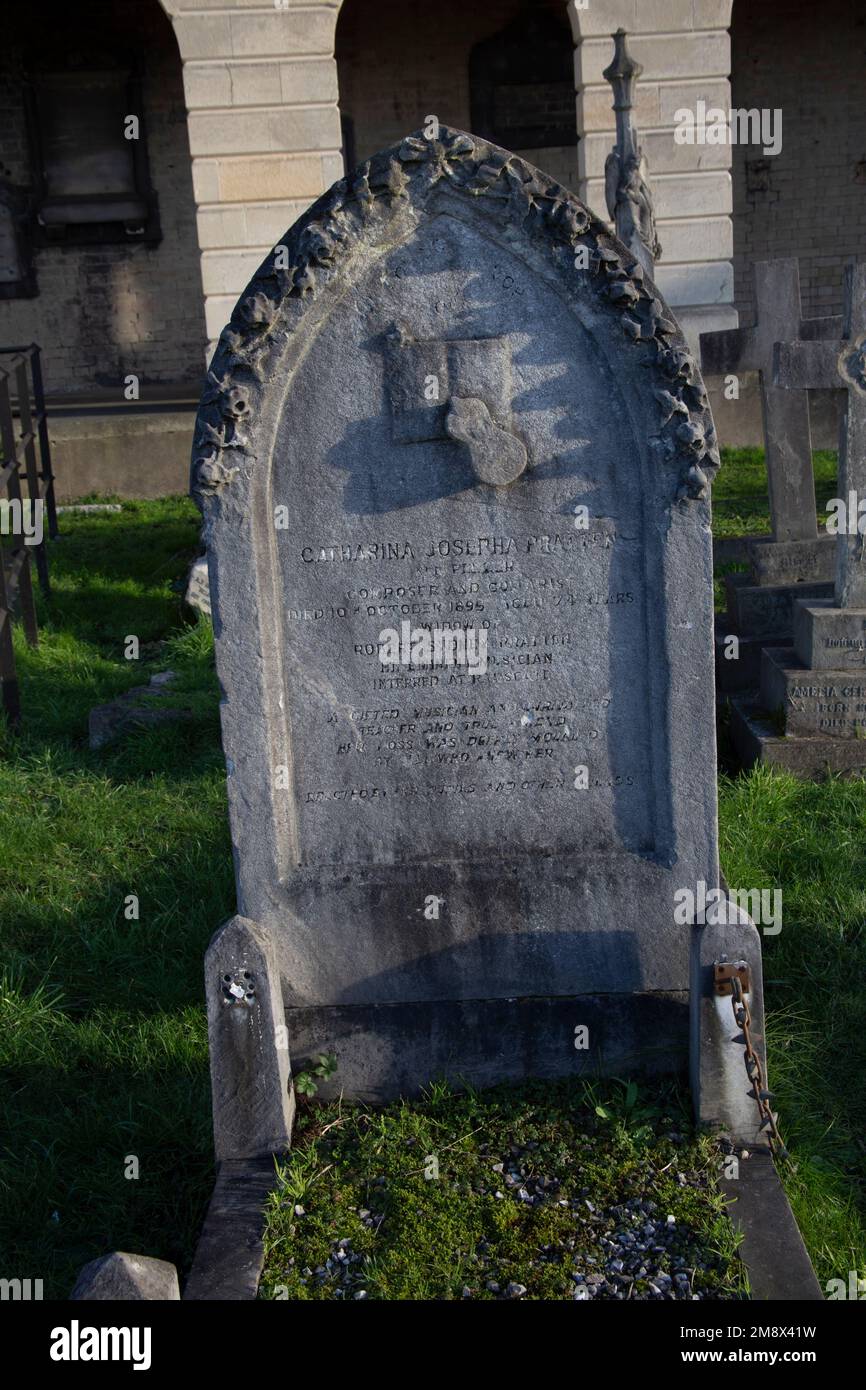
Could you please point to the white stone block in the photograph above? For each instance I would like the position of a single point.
(256, 84)
(203, 36)
(692, 55)
(705, 282)
(279, 33)
(217, 312)
(603, 17)
(696, 239)
(269, 178)
(285, 128)
(678, 195)
(595, 107)
(332, 169)
(663, 154)
(713, 14)
(220, 227)
(228, 272)
(311, 80)
(205, 181)
(266, 223)
(679, 96)
(206, 84)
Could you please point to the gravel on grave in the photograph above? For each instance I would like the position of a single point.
(636, 1248)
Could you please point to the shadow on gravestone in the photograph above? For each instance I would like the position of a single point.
(450, 402)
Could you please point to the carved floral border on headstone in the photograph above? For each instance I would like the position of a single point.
(545, 212)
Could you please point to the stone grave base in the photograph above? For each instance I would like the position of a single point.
(735, 677)
(793, 562)
(389, 1050)
(756, 739)
(765, 610)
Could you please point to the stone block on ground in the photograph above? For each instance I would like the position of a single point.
(135, 709)
(123, 1278)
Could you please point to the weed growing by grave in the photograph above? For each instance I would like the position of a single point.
(546, 1191)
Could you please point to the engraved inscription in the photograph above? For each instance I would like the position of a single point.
(547, 749)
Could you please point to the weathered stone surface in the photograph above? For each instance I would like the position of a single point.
(717, 1069)
(787, 435)
(120, 1277)
(767, 610)
(793, 562)
(197, 592)
(830, 638)
(253, 1100)
(819, 687)
(738, 665)
(756, 739)
(456, 402)
(827, 702)
(839, 363)
(230, 1254)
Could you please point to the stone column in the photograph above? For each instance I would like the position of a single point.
(264, 128)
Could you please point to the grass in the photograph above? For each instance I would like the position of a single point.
(741, 501)
(426, 1195)
(809, 839)
(103, 1048)
(740, 498)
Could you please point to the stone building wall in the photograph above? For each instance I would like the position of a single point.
(103, 311)
(809, 200)
(684, 48)
(398, 63)
(261, 85)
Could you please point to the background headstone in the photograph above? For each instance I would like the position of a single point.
(819, 684)
(197, 590)
(760, 602)
(451, 399)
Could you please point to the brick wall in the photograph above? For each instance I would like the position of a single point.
(105, 311)
(810, 200)
(398, 63)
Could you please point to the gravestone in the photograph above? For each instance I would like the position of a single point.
(760, 602)
(450, 402)
(819, 683)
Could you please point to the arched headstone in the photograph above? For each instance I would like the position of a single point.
(450, 412)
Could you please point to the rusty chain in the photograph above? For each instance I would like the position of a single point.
(733, 978)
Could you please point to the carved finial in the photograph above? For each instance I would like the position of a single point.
(626, 186)
(624, 67)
